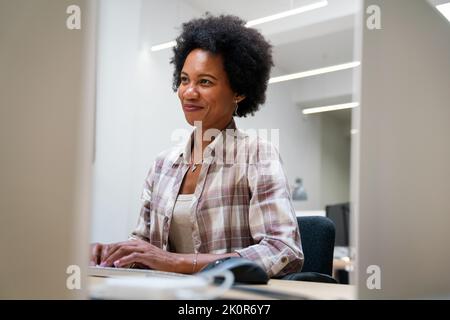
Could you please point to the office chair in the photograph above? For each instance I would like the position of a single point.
(317, 235)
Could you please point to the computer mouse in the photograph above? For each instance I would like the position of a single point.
(244, 270)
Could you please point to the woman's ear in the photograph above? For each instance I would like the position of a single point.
(238, 98)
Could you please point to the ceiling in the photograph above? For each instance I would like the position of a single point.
(315, 39)
(309, 40)
(437, 2)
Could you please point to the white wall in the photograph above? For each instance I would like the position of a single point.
(299, 139)
(404, 173)
(47, 99)
(335, 159)
(136, 114)
(138, 111)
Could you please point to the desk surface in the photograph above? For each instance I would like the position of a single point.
(280, 289)
(301, 289)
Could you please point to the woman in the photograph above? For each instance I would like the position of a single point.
(197, 208)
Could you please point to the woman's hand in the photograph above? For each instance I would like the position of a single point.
(101, 252)
(142, 253)
(97, 253)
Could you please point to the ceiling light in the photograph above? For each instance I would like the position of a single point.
(165, 45)
(315, 72)
(331, 108)
(259, 21)
(287, 13)
(444, 9)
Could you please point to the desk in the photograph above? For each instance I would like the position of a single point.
(301, 289)
(342, 264)
(341, 268)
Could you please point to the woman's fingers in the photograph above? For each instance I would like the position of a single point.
(110, 249)
(123, 250)
(96, 251)
(113, 254)
(104, 254)
(135, 257)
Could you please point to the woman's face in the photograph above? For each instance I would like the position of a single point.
(205, 91)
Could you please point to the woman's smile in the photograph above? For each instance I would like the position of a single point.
(191, 107)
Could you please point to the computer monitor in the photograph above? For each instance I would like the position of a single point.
(400, 181)
(340, 215)
(47, 98)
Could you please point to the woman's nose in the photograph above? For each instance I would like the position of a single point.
(191, 92)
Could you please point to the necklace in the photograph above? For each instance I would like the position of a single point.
(194, 165)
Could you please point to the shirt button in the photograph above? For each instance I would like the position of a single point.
(166, 224)
(284, 259)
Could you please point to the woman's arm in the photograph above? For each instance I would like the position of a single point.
(272, 220)
(196, 262)
(149, 256)
(142, 231)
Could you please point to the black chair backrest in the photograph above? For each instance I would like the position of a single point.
(317, 234)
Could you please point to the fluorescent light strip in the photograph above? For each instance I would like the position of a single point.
(315, 72)
(259, 21)
(165, 45)
(444, 9)
(331, 108)
(288, 13)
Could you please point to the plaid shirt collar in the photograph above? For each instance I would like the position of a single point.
(184, 156)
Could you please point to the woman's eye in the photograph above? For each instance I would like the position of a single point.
(205, 81)
(184, 79)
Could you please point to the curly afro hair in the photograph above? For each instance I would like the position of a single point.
(247, 56)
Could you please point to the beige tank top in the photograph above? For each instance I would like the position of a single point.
(180, 234)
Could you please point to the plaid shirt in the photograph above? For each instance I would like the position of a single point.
(241, 206)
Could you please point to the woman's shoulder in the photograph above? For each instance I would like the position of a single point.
(167, 157)
(171, 154)
(262, 149)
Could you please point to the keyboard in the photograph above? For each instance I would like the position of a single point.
(112, 272)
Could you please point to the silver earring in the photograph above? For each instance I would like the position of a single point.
(235, 109)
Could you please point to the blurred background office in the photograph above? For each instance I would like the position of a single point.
(137, 111)
(396, 143)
